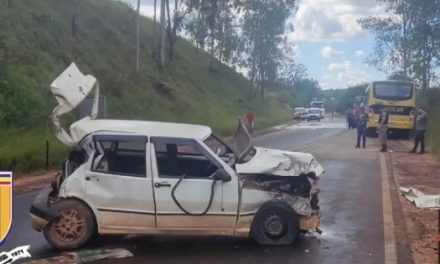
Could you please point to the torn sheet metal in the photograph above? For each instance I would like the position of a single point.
(70, 88)
(301, 205)
(280, 163)
(420, 199)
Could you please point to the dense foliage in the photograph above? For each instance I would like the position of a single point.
(407, 39)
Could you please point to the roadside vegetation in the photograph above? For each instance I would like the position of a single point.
(193, 81)
(430, 100)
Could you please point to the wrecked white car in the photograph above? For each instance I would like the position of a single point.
(140, 177)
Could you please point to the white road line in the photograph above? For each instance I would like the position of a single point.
(388, 222)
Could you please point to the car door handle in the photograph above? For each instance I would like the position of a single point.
(89, 178)
(162, 184)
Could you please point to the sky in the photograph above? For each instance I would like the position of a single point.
(328, 40)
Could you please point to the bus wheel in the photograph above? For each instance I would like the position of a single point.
(371, 132)
(406, 134)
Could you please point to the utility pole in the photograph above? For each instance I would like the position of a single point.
(138, 29)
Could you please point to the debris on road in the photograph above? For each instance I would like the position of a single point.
(420, 199)
(85, 256)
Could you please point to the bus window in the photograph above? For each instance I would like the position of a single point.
(393, 91)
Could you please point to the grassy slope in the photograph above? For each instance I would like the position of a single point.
(36, 44)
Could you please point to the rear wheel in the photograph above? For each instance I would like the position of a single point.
(275, 224)
(73, 228)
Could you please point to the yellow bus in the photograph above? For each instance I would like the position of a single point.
(398, 99)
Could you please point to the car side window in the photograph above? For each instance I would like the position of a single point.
(120, 157)
(175, 159)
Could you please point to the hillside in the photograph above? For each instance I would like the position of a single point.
(37, 43)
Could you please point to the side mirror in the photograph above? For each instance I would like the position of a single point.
(221, 175)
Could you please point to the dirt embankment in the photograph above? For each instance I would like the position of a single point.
(423, 173)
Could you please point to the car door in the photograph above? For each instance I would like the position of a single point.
(119, 186)
(184, 188)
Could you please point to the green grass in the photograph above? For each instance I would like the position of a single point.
(433, 132)
(430, 100)
(25, 150)
(36, 45)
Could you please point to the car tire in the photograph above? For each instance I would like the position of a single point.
(73, 228)
(275, 224)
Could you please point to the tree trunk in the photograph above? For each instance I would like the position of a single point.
(75, 19)
(251, 90)
(162, 34)
(405, 45)
(213, 25)
(170, 39)
(154, 30)
(175, 22)
(138, 30)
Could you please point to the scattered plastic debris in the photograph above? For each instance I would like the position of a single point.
(307, 251)
(85, 256)
(420, 199)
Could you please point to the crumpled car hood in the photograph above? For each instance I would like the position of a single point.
(280, 163)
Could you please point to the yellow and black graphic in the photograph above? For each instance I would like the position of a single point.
(5, 204)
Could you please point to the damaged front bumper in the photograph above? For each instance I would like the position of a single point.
(41, 212)
(310, 223)
(306, 207)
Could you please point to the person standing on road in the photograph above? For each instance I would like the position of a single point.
(383, 130)
(250, 118)
(421, 126)
(361, 124)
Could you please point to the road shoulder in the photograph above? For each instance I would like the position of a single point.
(420, 172)
(35, 181)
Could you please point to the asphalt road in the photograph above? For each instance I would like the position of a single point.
(350, 201)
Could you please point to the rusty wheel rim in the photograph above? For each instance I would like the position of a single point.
(70, 225)
(274, 226)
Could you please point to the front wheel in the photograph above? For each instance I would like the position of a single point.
(73, 228)
(275, 224)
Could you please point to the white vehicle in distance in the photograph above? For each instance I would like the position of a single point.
(314, 114)
(142, 177)
(299, 113)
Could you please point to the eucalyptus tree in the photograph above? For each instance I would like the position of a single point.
(407, 38)
(263, 26)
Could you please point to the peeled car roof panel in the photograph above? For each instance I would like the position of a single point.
(71, 87)
(87, 126)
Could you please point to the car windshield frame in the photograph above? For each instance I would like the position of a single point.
(214, 135)
(396, 87)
